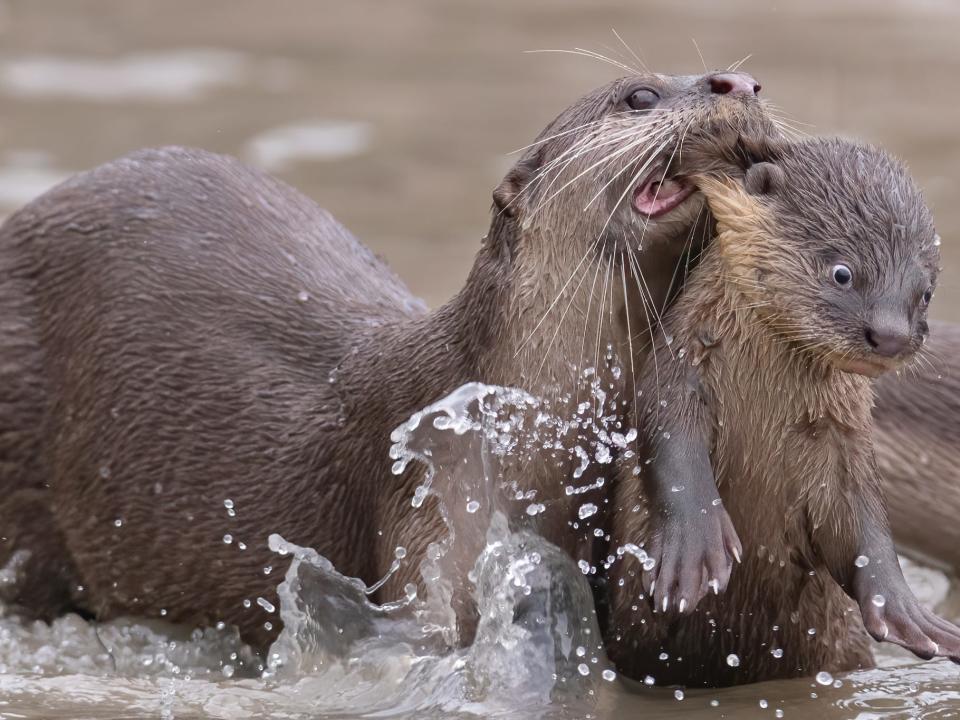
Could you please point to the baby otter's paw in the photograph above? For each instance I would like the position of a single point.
(898, 617)
(694, 550)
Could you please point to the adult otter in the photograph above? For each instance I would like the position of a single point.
(819, 278)
(182, 333)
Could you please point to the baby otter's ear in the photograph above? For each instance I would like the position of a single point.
(764, 178)
(506, 195)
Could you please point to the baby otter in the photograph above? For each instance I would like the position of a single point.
(818, 281)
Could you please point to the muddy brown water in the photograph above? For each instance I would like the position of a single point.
(399, 117)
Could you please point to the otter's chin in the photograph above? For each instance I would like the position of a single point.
(658, 195)
(868, 367)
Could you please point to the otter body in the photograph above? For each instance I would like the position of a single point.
(177, 355)
(761, 433)
(197, 356)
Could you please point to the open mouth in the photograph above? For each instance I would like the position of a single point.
(871, 369)
(658, 195)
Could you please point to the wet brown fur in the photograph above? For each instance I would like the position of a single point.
(790, 442)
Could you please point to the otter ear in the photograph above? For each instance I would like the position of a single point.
(763, 178)
(506, 194)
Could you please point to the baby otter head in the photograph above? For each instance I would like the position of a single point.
(835, 247)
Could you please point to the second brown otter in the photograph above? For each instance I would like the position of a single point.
(761, 431)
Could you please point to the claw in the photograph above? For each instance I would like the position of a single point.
(666, 601)
(683, 604)
(714, 585)
(736, 555)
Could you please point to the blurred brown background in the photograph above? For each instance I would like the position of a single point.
(399, 116)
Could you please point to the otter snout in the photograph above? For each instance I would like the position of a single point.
(888, 336)
(733, 83)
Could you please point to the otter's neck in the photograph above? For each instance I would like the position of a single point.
(401, 366)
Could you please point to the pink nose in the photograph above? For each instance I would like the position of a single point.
(733, 83)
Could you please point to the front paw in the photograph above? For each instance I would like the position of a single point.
(694, 551)
(895, 615)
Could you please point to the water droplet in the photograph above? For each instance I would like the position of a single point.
(778, 713)
(105, 471)
(777, 653)
(666, 435)
(648, 680)
(586, 510)
(678, 694)
(583, 669)
(268, 569)
(400, 553)
(265, 604)
(936, 241)
(716, 502)
(228, 504)
(762, 703)
(824, 678)
(227, 539)
(733, 660)
(714, 703)
(584, 566)
(227, 671)
(581, 651)
(664, 656)
(861, 561)
(663, 403)
(609, 675)
(473, 506)
(535, 509)
(811, 631)
(303, 296)
(878, 600)
(118, 522)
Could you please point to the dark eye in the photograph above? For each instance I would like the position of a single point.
(642, 99)
(927, 296)
(841, 274)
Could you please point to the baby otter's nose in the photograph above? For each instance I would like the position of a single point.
(733, 83)
(887, 340)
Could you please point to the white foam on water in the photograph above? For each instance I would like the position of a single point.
(25, 175)
(174, 75)
(280, 148)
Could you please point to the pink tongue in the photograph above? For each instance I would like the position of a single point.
(657, 197)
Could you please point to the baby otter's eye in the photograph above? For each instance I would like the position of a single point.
(841, 274)
(927, 297)
(642, 99)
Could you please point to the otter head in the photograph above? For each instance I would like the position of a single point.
(835, 248)
(609, 155)
(599, 187)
